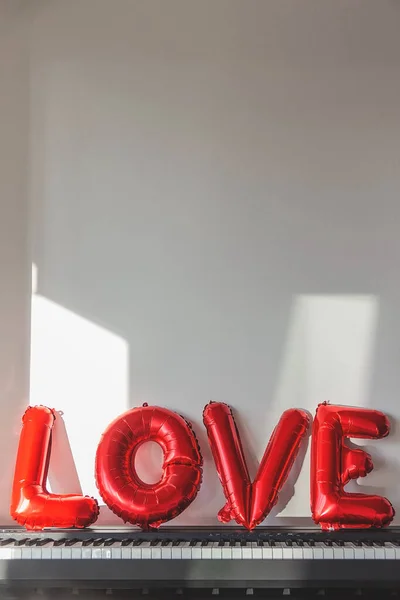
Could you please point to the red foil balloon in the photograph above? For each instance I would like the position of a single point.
(249, 503)
(333, 464)
(124, 493)
(31, 504)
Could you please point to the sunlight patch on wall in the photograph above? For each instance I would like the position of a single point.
(81, 369)
(327, 357)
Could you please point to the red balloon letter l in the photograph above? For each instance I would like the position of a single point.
(31, 504)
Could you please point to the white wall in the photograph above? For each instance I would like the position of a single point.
(14, 242)
(215, 191)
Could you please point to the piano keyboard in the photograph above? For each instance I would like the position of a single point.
(217, 558)
(138, 548)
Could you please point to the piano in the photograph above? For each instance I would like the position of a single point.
(178, 560)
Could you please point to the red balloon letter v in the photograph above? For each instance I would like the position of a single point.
(249, 503)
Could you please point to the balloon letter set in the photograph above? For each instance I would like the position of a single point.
(333, 465)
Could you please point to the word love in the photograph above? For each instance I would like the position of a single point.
(333, 465)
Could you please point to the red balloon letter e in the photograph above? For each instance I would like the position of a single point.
(249, 503)
(333, 464)
(31, 504)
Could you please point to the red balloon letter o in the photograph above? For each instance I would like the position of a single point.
(124, 493)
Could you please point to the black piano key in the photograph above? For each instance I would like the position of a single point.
(155, 542)
(138, 542)
(72, 541)
(289, 543)
(165, 543)
(260, 543)
(7, 541)
(98, 542)
(126, 542)
(21, 542)
(204, 543)
(193, 543)
(31, 542)
(221, 543)
(109, 541)
(328, 543)
(44, 541)
(88, 542)
(243, 543)
(176, 543)
(60, 542)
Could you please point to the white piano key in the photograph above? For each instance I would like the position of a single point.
(126, 553)
(237, 552)
(287, 553)
(338, 552)
(86, 553)
(247, 553)
(206, 552)
(66, 553)
(136, 553)
(267, 553)
(36, 553)
(216, 551)
(307, 553)
(106, 553)
(166, 552)
(318, 551)
(227, 552)
(186, 551)
(145, 549)
(6, 553)
(298, 553)
(380, 553)
(328, 552)
(369, 553)
(348, 551)
(196, 552)
(397, 552)
(176, 553)
(96, 553)
(277, 552)
(390, 553)
(76, 553)
(359, 553)
(17, 553)
(256, 551)
(55, 553)
(155, 552)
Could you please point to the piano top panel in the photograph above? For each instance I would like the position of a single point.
(391, 534)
